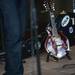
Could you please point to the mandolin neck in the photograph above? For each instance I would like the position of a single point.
(54, 29)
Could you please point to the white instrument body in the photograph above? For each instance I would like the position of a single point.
(58, 48)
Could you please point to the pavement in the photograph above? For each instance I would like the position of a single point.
(62, 67)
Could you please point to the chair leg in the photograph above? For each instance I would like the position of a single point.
(47, 59)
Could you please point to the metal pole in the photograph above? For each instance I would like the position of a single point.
(34, 35)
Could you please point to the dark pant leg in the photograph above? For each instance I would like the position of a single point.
(12, 38)
(23, 9)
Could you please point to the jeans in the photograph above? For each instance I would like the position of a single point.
(14, 20)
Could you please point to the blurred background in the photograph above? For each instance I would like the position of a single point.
(42, 17)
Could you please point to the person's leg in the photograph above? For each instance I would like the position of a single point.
(12, 38)
(23, 12)
(23, 9)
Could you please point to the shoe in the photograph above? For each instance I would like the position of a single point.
(54, 58)
(68, 55)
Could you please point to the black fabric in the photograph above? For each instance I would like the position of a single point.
(67, 29)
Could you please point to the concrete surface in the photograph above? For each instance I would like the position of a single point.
(48, 68)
